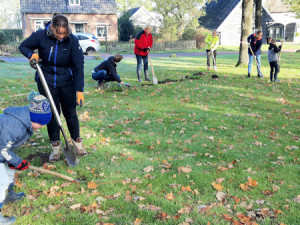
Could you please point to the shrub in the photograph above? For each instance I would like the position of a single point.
(189, 34)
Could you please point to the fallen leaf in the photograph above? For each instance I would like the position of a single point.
(76, 206)
(218, 186)
(220, 196)
(137, 221)
(297, 199)
(185, 210)
(148, 169)
(188, 188)
(92, 185)
(170, 196)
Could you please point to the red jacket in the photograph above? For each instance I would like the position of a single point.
(142, 41)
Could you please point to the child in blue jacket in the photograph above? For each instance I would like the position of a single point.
(16, 127)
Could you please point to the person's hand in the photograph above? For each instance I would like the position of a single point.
(34, 59)
(149, 49)
(23, 166)
(248, 44)
(80, 98)
(127, 84)
(145, 49)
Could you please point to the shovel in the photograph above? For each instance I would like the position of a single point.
(279, 57)
(258, 69)
(67, 150)
(154, 79)
(213, 57)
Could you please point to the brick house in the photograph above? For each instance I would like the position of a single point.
(85, 16)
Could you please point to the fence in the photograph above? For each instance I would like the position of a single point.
(12, 49)
(157, 46)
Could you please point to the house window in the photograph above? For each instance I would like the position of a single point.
(79, 28)
(101, 31)
(74, 2)
(40, 24)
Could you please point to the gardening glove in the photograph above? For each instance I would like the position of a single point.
(148, 49)
(23, 166)
(80, 98)
(145, 49)
(34, 59)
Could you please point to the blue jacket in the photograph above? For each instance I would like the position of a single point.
(110, 66)
(15, 129)
(255, 45)
(62, 61)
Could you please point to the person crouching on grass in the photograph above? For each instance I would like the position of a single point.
(107, 71)
(273, 59)
(16, 127)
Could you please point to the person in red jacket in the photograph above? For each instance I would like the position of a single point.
(143, 44)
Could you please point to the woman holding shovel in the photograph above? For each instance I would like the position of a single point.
(212, 43)
(142, 46)
(62, 65)
(254, 51)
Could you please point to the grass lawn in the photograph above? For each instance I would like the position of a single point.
(159, 154)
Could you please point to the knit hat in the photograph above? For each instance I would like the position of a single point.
(39, 108)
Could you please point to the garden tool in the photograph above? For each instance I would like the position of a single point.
(42, 170)
(154, 79)
(67, 150)
(213, 57)
(258, 69)
(280, 56)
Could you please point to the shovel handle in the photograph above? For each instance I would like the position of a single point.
(151, 66)
(42, 170)
(48, 93)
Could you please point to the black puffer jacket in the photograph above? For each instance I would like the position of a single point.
(62, 61)
(110, 66)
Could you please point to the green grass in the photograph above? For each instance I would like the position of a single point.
(203, 124)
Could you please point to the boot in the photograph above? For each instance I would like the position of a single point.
(138, 76)
(12, 196)
(248, 74)
(146, 76)
(101, 85)
(78, 147)
(56, 151)
(6, 220)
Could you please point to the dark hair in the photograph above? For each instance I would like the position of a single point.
(61, 21)
(258, 32)
(118, 58)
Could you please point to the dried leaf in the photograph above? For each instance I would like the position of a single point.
(92, 185)
(188, 188)
(148, 169)
(170, 196)
(218, 186)
(221, 196)
(76, 206)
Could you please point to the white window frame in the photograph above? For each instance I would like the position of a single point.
(81, 24)
(102, 25)
(73, 2)
(40, 21)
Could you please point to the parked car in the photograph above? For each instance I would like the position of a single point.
(88, 42)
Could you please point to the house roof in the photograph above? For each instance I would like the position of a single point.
(216, 13)
(63, 6)
(133, 11)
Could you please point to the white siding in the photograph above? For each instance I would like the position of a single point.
(230, 29)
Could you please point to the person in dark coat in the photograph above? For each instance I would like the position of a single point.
(63, 65)
(273, 59)
(255, 43)
(16, 127)
(143, 44)
(107, 71)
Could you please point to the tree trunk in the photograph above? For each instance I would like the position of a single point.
(258, 14)
(247, 21)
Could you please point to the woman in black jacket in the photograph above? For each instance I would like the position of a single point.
(63, 65)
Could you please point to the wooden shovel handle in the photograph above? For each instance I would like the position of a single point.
(42, 170)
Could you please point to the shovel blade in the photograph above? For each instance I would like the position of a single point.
(70, 156)
(154, 79)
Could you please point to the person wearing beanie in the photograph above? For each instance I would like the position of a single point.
(16, 127)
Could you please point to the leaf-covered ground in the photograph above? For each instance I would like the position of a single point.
(203, 151)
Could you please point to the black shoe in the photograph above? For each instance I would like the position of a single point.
(248, 75)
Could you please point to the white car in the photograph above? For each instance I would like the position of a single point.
(88, 42)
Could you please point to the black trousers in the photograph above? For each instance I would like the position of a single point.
(274, 68)
(209, 56)
(65, 100)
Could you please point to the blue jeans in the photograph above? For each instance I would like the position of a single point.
(251, 59)
(103, 75)
(139, 59)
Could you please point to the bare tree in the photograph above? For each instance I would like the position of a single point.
(258, 14)
(247, 21)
